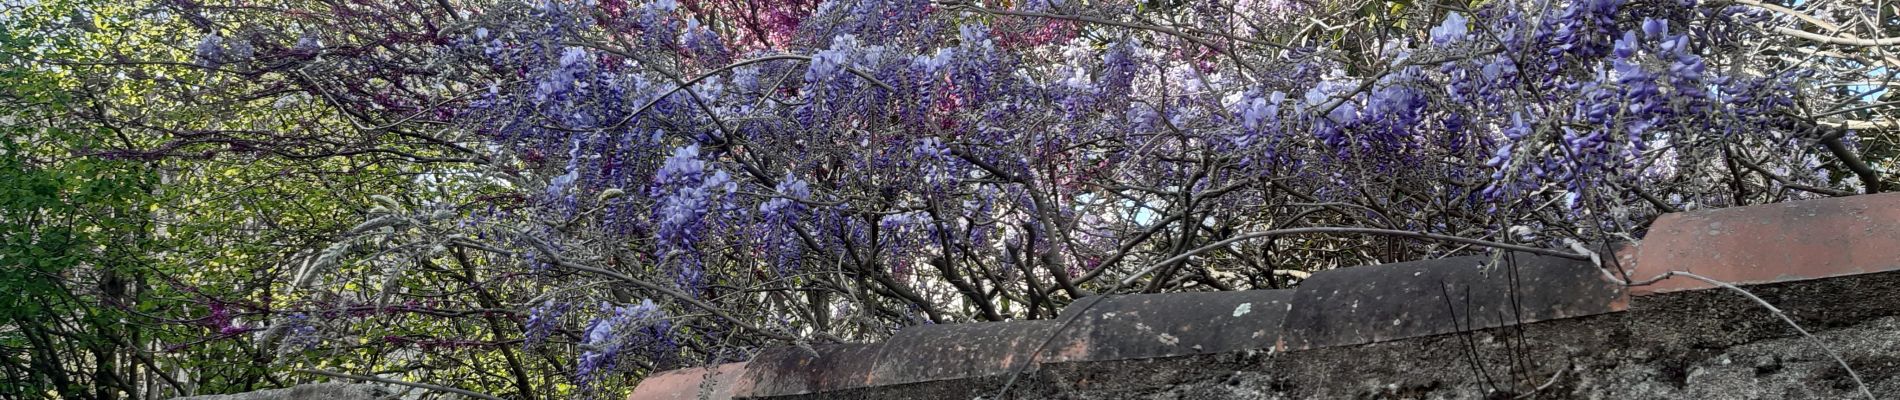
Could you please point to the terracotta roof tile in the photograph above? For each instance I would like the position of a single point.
(1773, 243)
(689, 383)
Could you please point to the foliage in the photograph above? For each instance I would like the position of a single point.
(554, 198)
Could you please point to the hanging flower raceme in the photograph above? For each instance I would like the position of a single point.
(210, 51)
(543, 320)
(779, 236)
(622, 331)
(705, 46)
(1582, 31)
(1119, 66)
(687, 191)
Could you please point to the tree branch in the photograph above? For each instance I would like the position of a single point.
(1867, 175)
(715, 311)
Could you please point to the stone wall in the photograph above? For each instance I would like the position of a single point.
(313, 391)
(1519, 326)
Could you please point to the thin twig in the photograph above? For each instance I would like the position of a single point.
(1785, 182)
(1547, 383)
(1595, 259)
(1889, 41)
(1784, 318)
(563, 262)
(1017, 371)
(1470, 346)
(689, 83)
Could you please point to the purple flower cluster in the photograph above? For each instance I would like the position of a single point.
(222, 322)
(658, 24)
(542, 321)
(308, 43)
(706, 47)
(1259, 120)
(1452, 31)
(299, 332)
(687, 190)
(621, 331)
(780, 214)
(910, 134)
(1119, 66)
(215, 50)
(1583, 31)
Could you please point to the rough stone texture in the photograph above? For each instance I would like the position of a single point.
(1358, 305)
(793, 370)
(1711, 344)
(312, 391)
(1169, 324)
(956, 351)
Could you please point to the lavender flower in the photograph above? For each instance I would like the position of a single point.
(308, 43)
(618, 332)
(1451, 31)
(543, 320)
(300, 332)
(210, 51)
(688, 190)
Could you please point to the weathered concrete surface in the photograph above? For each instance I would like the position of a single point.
(1711, 344)
(1350, 306)
(1448, 328)
(313, 391)
(1169, 324)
